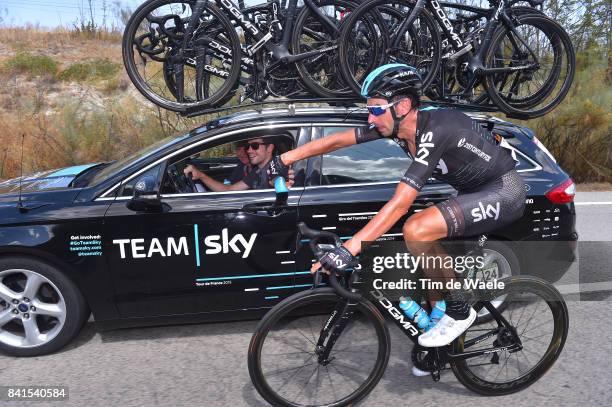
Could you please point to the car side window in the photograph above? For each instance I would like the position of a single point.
(227, 163)
(374, 161)
(523, 163)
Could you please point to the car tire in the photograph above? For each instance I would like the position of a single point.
(48, 320)
(507, 265)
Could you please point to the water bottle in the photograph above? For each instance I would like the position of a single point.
(414, 312)
(436, 314)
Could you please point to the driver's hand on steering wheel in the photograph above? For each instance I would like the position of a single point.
(193, 171)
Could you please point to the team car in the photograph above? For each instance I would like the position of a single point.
(134, 242)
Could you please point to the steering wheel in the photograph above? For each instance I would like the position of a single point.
(181, 182)
(189, 183)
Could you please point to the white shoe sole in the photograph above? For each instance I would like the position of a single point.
(418, 372)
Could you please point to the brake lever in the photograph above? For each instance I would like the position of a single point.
(317, 279)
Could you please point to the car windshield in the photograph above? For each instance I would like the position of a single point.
(118, 165)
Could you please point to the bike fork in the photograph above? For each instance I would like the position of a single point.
(333, 328)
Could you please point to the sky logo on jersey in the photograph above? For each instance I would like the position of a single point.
(480, 213)
(213, 244)
(424, 145)
(474, 149)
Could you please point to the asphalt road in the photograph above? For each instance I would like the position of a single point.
(206, 364)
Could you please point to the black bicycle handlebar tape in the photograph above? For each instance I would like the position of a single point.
(340, 290)
(315, 236)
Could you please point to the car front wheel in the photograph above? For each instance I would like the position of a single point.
(41, 310)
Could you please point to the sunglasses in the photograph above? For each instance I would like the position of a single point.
(378, 110)
(254, 146)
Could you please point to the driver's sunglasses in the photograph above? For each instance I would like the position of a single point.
(379, 110)
(255, 146)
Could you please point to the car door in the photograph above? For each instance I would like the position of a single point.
(206, 252)
(353, 184)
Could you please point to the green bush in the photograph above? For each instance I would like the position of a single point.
(35, 65)
(579, 131)
(98, 68)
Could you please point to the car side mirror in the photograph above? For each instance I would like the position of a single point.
(145, 186)
(146, 197)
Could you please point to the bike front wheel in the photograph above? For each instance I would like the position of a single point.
(540, 60)
(285, 360)
(539, 322)
(177, 71)
(373, 35)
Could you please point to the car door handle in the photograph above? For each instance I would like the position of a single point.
(264, 209)
(258, 206)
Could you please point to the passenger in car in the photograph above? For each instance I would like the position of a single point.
(244, 167)
(260, 153)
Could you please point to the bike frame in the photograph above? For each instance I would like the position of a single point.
(280, 52)
(496, 16)
(391, 310)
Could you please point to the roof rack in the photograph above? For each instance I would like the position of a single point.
(338, 102)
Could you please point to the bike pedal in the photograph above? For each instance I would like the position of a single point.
(435, 375)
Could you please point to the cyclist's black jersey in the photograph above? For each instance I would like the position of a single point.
(450, 147)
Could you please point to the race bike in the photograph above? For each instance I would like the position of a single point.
(195, 54)
(522, 59)
(330, 345)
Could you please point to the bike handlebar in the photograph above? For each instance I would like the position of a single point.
(315, 236)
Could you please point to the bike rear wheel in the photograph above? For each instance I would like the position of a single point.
(545, 46)
(539, 314)
(367, 35)
(284, 362)
(321, 73)
(200, 74)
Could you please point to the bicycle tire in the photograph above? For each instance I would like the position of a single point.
(530, 106)
(468, 372)
(427, 64)
(303, 304)
(336, 87)
(549, 83)
(165, 97)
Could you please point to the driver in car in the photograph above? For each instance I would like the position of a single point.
(260, 153)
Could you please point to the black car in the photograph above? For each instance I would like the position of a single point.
(137, 244)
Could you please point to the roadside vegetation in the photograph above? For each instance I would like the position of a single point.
(65, 94)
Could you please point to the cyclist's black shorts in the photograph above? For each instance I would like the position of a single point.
(486, 208)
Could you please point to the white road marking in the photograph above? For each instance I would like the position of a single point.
(592, 203)
(585, 287)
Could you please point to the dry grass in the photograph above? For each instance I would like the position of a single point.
(63, 45)
(594, 186)
(86, 111)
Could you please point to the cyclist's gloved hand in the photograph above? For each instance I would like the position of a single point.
(276, 168)
(338, 259)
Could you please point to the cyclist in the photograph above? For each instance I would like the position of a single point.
(442, 143)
